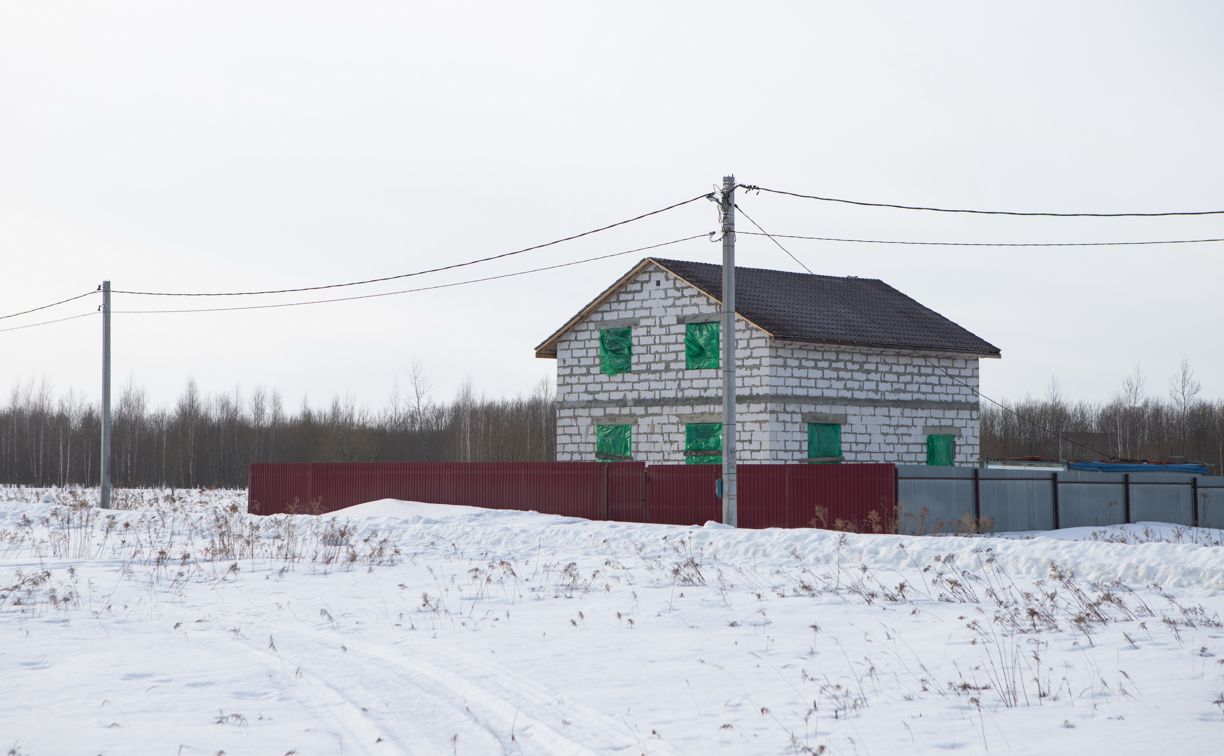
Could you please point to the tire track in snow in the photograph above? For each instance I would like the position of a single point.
(437, 700)
(350, 721)
(377, 712)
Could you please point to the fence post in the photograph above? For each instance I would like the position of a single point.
(977, 499)
(1194, 502)
(1126, 496)
(645, 492)
(1054, 484)
(897, 498)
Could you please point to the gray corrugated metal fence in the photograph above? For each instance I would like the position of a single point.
(951, 499)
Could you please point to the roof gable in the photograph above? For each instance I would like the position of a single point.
(548, 348)
(811, 308)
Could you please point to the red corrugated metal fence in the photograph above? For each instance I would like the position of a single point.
(858, 497)
(578, 489)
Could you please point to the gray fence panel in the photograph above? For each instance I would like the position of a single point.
(1211, 502)
(933, 499)
(936, 499)
(1161, 497)
(1088, 499)
(1017, 499)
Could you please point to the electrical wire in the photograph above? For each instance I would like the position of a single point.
(49, 306)
(1018, 416)
(772, 239)
(753, 188)
(49, 322)
(420, 288)
(414, 273)
(984, 244)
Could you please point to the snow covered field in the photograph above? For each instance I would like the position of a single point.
(181, 625)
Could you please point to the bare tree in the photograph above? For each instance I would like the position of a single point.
(420, 386)
(1184, 387)
(1133, 386)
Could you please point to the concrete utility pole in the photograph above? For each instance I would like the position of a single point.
(729, 511)
(106, 402)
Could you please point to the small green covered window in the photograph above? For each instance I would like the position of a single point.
(613, 443)
(615, 350)
(703, 444)
(701, 346)
(824, 442)
(941, 449)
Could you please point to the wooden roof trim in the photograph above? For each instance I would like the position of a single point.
(547, 349)
(901, 350)
(711, 296)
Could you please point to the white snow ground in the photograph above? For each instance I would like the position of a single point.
(182, 625)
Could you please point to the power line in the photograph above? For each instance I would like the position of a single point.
(420, 288)
(419, 272)
(751, 188)
(1005, 408)
(772, 239)
(48, 306)
(985, 244)
(48, 322)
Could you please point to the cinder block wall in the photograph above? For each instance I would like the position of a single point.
(886, 402)
(663, 394)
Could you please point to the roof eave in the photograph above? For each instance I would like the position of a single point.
(919, 350)
(547, 349)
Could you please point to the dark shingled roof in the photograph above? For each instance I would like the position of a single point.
(830, 310)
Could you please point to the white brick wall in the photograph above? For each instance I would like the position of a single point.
(844, 373)
(890, 401)
(886, 401)
(658, 307)
(875, 434)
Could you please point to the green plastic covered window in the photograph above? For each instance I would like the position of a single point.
(941, 450)
(824, 442)
(615, 350)
(703, 444)
(613, 443)
(701, 346)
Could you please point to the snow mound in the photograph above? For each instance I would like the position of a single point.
(414, 511)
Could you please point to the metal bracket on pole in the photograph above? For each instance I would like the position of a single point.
(105, 502)
(730, 514)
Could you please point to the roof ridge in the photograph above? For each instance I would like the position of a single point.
(666, 260)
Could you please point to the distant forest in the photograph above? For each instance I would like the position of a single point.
(208, 440)
(1132, 425)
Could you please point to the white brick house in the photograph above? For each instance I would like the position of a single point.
(829, 369)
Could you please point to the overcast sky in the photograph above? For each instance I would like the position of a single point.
(223, 146)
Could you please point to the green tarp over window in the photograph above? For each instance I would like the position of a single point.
(824, 442)
(615, 350)
(701, 346)
(941, 450)
(703, 444)
(613, 443)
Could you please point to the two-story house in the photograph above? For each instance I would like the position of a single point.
(829, 369)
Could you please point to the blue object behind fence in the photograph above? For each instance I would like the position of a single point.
(1192, 468)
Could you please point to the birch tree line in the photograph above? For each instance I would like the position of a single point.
(1135, 424)
(208, 440)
